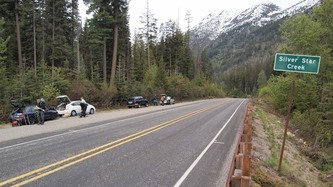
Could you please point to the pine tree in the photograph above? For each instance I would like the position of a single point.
(149, 30)
(3, 57)
(120, 15)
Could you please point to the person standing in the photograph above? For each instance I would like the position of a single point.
(83, 105)
(40, 111)
(155, 101)
(162, 100)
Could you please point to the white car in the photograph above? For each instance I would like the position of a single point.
(73, 108)
(167, 100)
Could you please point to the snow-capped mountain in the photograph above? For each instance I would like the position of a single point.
(259, 15)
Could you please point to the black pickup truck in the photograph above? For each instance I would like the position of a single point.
(137, 101)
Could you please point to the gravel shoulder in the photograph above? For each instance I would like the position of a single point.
(7, 132)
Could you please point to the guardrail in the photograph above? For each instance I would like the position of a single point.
(239, 174)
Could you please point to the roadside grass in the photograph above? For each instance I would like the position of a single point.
(268, 126)
(295, 169)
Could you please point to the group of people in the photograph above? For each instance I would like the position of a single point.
(162, 100)
(41, 108)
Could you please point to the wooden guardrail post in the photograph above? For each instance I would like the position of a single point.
(246, 165)
(239, 161)
(245, 181)
(241, 167)
(236, 181)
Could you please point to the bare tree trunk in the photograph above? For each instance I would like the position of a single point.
(19, 49)
(128, 55)
(91, 64)
(114, 57)
(104, 61)
(53, 37)
(148, 41)
(78, 57)
(43, 47)
(115, 45)
(170, 71)
(197, 63)
(34, 30)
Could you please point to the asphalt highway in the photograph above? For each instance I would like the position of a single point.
(180, 145)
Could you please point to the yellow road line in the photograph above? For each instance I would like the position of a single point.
(100, 150)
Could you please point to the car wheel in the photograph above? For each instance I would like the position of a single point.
(32, 121)
(73, 113)
(147, 105)
(129, 107)
(92, 111)
(55, 116)
(139, 106)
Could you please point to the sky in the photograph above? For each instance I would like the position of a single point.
(164, 10)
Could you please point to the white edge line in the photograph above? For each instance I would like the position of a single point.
(54, 136)
(188, 171)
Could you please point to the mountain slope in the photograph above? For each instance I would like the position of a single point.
(259, 15)
(239, 45)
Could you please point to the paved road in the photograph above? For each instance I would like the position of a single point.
(187, 144)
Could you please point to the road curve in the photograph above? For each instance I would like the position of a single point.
(181, 145)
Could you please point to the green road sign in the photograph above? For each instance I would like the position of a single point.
(297, 63)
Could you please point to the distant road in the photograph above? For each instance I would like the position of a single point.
(180, 145)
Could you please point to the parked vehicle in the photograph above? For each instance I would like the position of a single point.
(26, 115)
(72, 108)
(137, 101)
(166, 100)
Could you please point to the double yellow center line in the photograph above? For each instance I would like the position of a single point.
(57, 166)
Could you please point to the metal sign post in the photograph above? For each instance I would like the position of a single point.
(294, 63)
(287, 120)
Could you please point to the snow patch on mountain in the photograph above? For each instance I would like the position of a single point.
(258, 15)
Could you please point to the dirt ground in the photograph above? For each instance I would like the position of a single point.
(296, 169)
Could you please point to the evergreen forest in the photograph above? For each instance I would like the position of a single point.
(46, 51)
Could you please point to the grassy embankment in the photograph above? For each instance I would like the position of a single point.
(297, 169)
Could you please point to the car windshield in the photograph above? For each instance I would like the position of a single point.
(134, 98)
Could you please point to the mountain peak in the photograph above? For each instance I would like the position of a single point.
(258, 15)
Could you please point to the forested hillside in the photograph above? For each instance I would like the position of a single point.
(312, 117)
(240, 55)
(45, 52)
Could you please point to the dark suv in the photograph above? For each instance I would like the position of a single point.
(137, 101)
